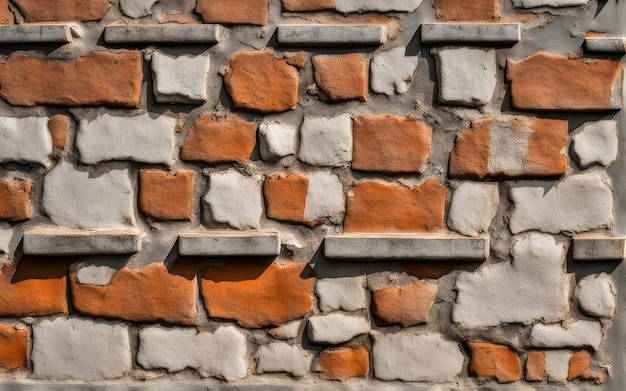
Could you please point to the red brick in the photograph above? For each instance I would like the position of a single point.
(549, 82)
(6, 15)
(285, 197)
(58, 126)
(389, 144)
(536, 366)
(15, 201)
(378, 207)
(62, 10)
(233, 11)
(341, 78)
(343, 364)
(151, 294)
(255, 295)
(258, 81)
(96, 79)
(307, 5)
(407, 306)
(468, 11)
(579, 368)
(470, 156)
(13, 347)
(489, 360)
(214, 139)
(166, 197)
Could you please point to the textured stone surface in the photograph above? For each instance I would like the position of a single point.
(576, 204)
(467, 77)
(548, 3)
(25, 140)
(489, 360)
(225, 12)
(181, 79)
(80, 349)
(258, 81)
(331, 35)
(336, 328)
(15, 201)
(277, 140)
(287, 331)
(255, 295)
(391, 72)
(13, 347)
(137, 8)
(166, 197)
(408, 356)
(64, 241)
(347, 6)
(229, 243)
(165, 297)
(83, 10)
(343, 364)
(549, 82)
(285, 197)
(471, 33)
(233, 199)
(58, 126)
(95, 79)
(596, 143)
(392, 145)
(557, 365)
(535, 366)
(343, 293)
(480, 10)
(598, 248)
(282, 357)
(372, 207)
(140, 138)
(36, 33)
(6, 233)
(72, 199)
(473, 207)
(167, 34)
(577, 334)
(596, 295)
(407, 306)
(341, 78)
(531, 287)
(324, 198)
(326, 141)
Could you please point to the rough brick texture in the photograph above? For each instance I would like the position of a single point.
(228, 12)
(473, 11)
(58, 126)
(285, 197)
(166, 197)
(62, 10)
(13, 347)
(407, 306)
(341, 78)
(14, 201)
(343, 364)
(489, 360)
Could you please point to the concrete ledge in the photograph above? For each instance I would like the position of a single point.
(443, 33)
(65, 241)
(406, 247)
(606, 44)
(35, 33)
(598, 248)
(229, 243)
(167, 34)
(329, 35)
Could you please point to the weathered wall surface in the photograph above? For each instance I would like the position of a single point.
(318, 194)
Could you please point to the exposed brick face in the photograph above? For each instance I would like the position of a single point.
(579, 368)
(307, 5)
(6, 15)
(341, 78)
(536, 366)
(214, 139)
(255, 295)
(407, 306)
(470, 11)
(489, 360)
(166, 197)
(96, 79)
(62, 10)
(389, 144)
(549, 82)
(13, 347)
(233, 12)
(343, 364)
(58, 126)
(285, 197)
(375, 207)
(15, 201)
(150, 294)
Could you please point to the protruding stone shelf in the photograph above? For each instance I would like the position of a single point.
(330, 35)
(598, 248)
(165, 34)
(229, 243)
(35, 33)
(491, 33)
(406, 247)
(65, 241)
(606, 44)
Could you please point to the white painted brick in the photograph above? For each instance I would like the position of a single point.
(548, 3)
(473, 207)
(140, 138)
(282, 357)
(391, 72)
(163, 34)
(229, 243)
(532, 287)
(508, 145)
(349, 6)
(467, 77)
(575, 204)
(557, 365)
(35, 33)
(605, 44)
(345, 293)
(329, 35)
(324, 198)
(408, 356)
(137, 8)
(326, 141)
(95, 272)
(577, 334)
(180, 79)
(221, 354)
(287, 331)
(492, 33)
(596, 143)
(277, 140)
(234, 199)
(80, 349)
(25, 140)
(336, 328)
(63, 241)
(596, 295)
(73, 199)
(6, 233)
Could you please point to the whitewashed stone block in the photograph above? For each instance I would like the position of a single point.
(336, 328)
(234, 199)
(287, 331)
(391, 71)
(596, 143)
(326, 141)
(25, 140)
(557, 365)
(577, 334)
(282, 357)
(344, 293)
(137, 8)
(349, 6)
(324, 198)
(180, 79)
(473, 207)
(547, 3)
(277, 140)
(6, 233)
(596, 295)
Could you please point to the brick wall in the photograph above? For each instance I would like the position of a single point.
(312, 194)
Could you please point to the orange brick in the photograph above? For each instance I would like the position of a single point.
(285, 197)
(166, 197)
(343, 364)
(15, 201)
(257, 295)
(307, 5)
(579, 368)
(58, 126)
(6, 15)
(407, 306)
(233, 11)
(536, 366)
(341, 78)
(468, 11)
(13, 347)
(489, 360)
(62, 10)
